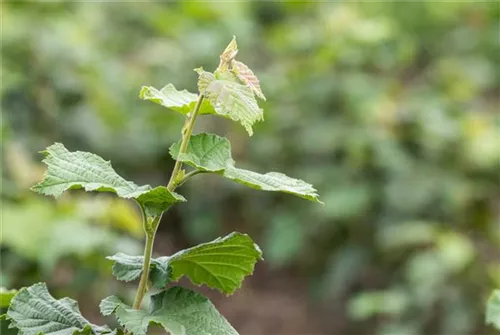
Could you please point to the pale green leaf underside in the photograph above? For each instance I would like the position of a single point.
(230, 98)
(33, 311)
(221, 264)
(6, 297)
(128, 268)
(208, 152)
(493, 310)
(179, 101)
(73, 170)
(180, 311)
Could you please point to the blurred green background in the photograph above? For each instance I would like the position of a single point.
(390, 109)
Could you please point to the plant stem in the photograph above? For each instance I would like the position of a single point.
(150, 230)
(148, 250)
(187, 130)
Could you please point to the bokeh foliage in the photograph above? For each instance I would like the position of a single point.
(390, 109)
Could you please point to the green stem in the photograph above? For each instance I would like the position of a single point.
(187, 130)
(150, 229)
(148, 250)
(188, 176)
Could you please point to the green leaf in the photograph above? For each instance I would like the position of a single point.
(230, 98)
(180, 311)
(33, 311)
(248, 78)
(205, 153)
(493, 310)
(127, 268)
(208, 152)
(75, 170)
(179, 101)
(6, 296)
(108, 305)
(221, 264)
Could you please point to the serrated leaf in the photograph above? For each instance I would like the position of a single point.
(208, 152)
(179, 101)
(6, 297)
(128, 268)
(74, 170)
(493, 310)
(180, 311)
(221, 264)
(33, 311)
(205, 153)
(230, 98)
(247, 76)
(108, 305)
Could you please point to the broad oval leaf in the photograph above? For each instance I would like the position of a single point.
(208, 152)
(33, 311)
(180, 311)
(179, 101)
(230, 98)
(221, 264)
(73, 170)
(493, 310)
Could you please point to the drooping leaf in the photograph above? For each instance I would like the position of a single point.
(208, 152)
(73, 170)
(180, 311)
(6, 297)
(230, 98)
(33, 311)
(247, 76)
(493, 310)
(127, 268)
(179, 101)
(221, 264)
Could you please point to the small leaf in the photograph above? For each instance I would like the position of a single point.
(74, 170)
(180, 311)
(33, 311)
(247, 76)
(228, 54)
(179, 101)
(493, 310)
(230, 98)
(128, 268)
(109, 304)
(6, 296)
(221, 264)
(158, 200)
(212, 153)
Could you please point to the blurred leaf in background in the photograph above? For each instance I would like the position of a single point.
(390, 108)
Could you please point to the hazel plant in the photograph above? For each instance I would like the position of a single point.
(231, 92)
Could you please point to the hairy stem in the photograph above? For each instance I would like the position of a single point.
(150, 229)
